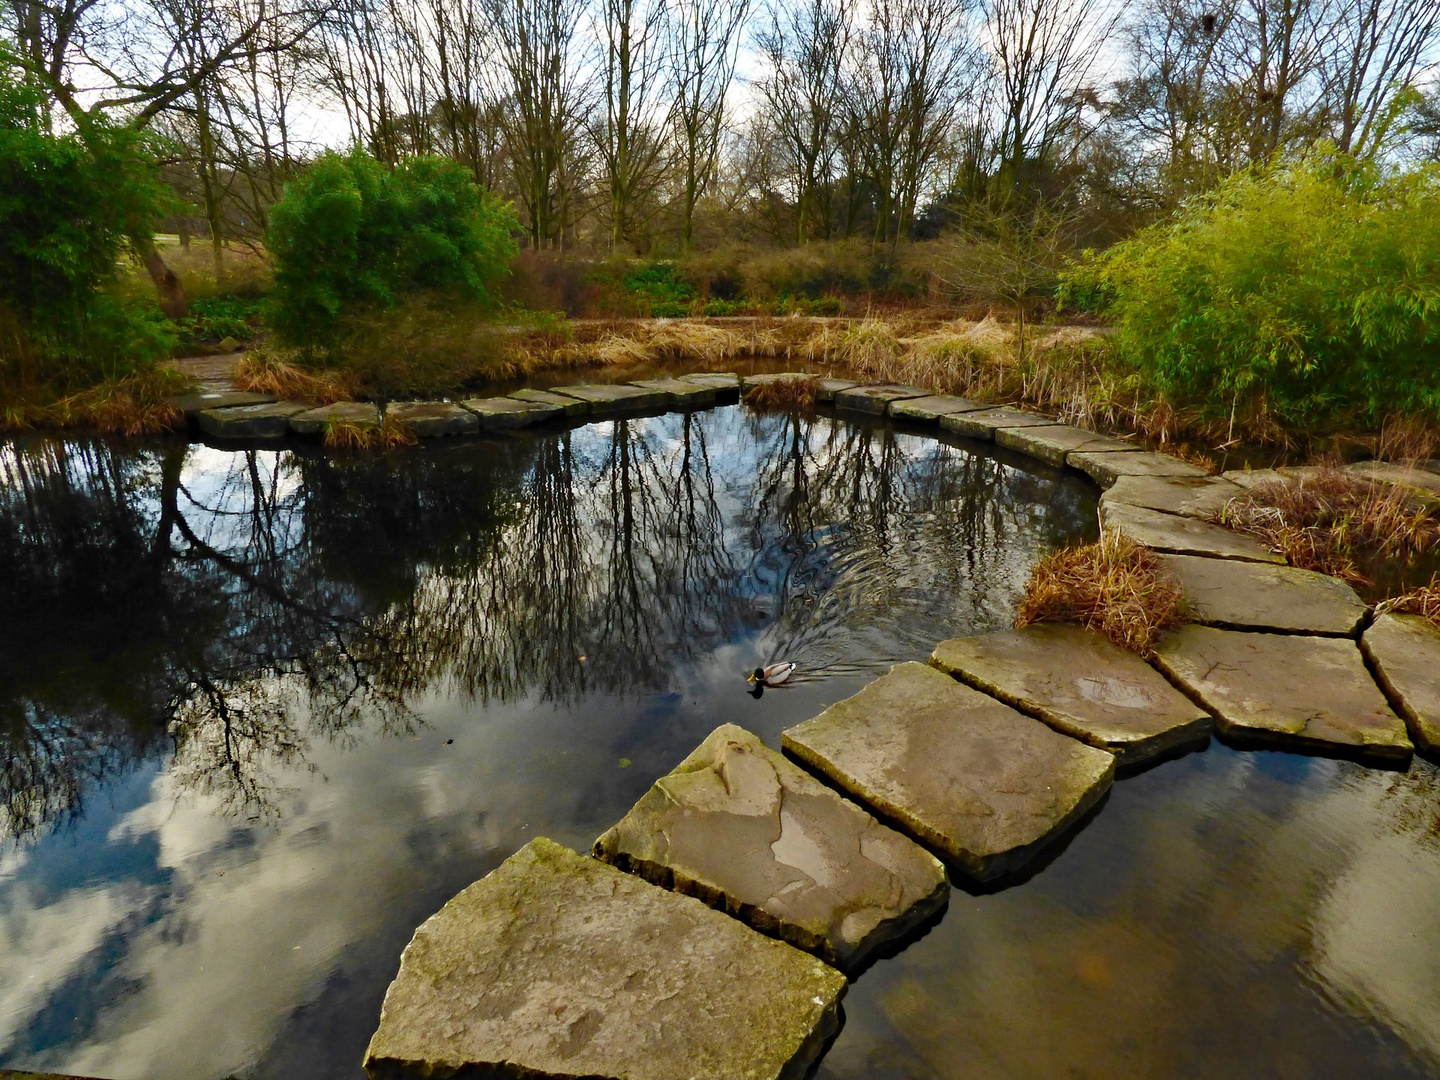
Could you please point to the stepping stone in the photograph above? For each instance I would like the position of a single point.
(966, 775)
(315, 421)
(830, 387)
(726, 384)
(683, 393)
(271, 421)
(755, 835)
(1419, 480)
(1183, 535)
(1404, 653)
(1080, 683)
(1189, 496)
(1257, 596)
(1286, 690)
(613, 399)
(929, 410)
(984, 424)
(1054, 443)
(749, 381)
(501, 413)
(557, 965)
(875, 400)
(570, 406)
(191, 404)
(1105, 467)
(433, 419)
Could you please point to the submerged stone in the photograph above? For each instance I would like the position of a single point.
(875, 400)
(753, 834)
(1105, 467)
(1286, 690)
(191, 404)
(1257, 596)
(681, 393)
(984, 424)
(614, 399)
(929, 410)
(433, 419)
(570, 406)
(1081, 684)
(1188, 496)
(556, 965)
(315, 421)
(500, 413)
(1182, 535)
(1404, 652)
(271, 421)
(967, 775)
(1054, 443)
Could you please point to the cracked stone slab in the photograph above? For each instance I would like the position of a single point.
(1182, 535)
(984, 424)
(1404, 653)
(726, 384)
(191, 404)
(1081, 684)
(557, 965)
(613, 399)
(500, 413)
(1260, 596)
(315, 421)
(1105, 467)
(876, 400)
(569, 406)
(267, 421)
(751, 833)
(433, 419)
(1188, 496)
(680, 393)
(830, 387)
(1286, 690)
(1054, 443)
(967, 775)
(929, 410)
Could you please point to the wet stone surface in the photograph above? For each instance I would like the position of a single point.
(929, 410)
(830, 387)
(614, 399)
(1259, 596)
(876, 399)
(1286, 690)
(433, 419)
(1404, 652)
(556, 965)
(190, 404)
(753, 834)
(726, 384)
(967, 775)
(681, 393)
(1182, 535)
(498, 413)
(1054, 443)
(1188, 496)
(569, 406)
(270, 421)
(315, 421)
(1081, 684)
(1105, 467)
(984, 424)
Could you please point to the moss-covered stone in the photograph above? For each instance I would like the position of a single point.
(315, 421)
(1182, 535)
(875, 400)
(1188, 496)
(1404, 651)
(1260, 596)
(984, 424)
(929, 410)
(250, 422)
(615, 399)
(1054, 443)
(501, 413)
(1105, 467)
(681, 393)
(433, 419)
(569, 406)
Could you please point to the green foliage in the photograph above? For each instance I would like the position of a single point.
(1311, 292)
(214, 318)
(352, 236)
(656, 286)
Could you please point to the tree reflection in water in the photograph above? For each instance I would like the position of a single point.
(242, 604)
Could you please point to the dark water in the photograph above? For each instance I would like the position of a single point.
(262, 713)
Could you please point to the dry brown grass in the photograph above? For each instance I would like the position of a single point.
(1115, 586)
(1324, 519)
(788, 395)
(134, 405)
(389, 434)
(269, 372)
(1424, 601)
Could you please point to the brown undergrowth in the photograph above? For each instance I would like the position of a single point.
(785, 395)
(1115, 586)
(137, 404)
(1424, 601)
(278, 373)
(387, 435)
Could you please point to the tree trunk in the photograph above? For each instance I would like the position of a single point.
(167, 283)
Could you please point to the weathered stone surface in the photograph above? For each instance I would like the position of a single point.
(11, 1074)
(984, 424)
(726, 384)
(1105, 467)
(1189, 496)
(1288, 690)
(875, 400)
(968, 776)
(270, 421)
(190, 404)
(500, 413)
(1054, 443)
(433, 419)
(680, 393)
(611, 399)
(1182, 535)
(753, 834)
(1405, 476)
(830, 387)
(570, 406)
(315, 421)
(556, 965)
(1404, 652)
(1248, 478)
(1081, 684)
(929, 410)
(1260, 596)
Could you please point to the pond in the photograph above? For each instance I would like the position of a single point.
(263, 712)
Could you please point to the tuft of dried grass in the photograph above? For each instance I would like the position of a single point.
(266, 372)
(1115, 586)
(1424, 601)
(387, 435)
(1322, 518)
(788, 395)
(134, 405)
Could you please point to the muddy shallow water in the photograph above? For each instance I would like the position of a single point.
(263, 712)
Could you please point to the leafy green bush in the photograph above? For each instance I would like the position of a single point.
(656, 287)
(1311, 293)
(352, 236)
(214, 318)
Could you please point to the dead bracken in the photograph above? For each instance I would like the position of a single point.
(792, 395)
(1424, 601)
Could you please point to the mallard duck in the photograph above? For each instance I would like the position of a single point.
(771, 674)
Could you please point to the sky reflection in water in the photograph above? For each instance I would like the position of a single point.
(230, 682)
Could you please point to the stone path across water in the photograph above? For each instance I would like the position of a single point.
(1260, 596)
(1404, 652)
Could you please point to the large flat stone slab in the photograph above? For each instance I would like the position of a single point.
(876, 400)
(929, 410)
(830, 387)
(1081, 684)
(1183, 535)
(191, 404)
(1286, 690)
(726, 384)
(315, 421)
(968, 776)
(433, 419)
(556, 965)
(753, 834)
(1054, 443)
(681, 393)
(1260, 596)
(615, 399)
(1105, 467)
(984, 424)
(1404, 653)
(269, 421)
(569, 406)
(1421, 481)
(501, 413)
(1188, 496)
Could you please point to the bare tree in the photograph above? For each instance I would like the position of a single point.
(1373, 49)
